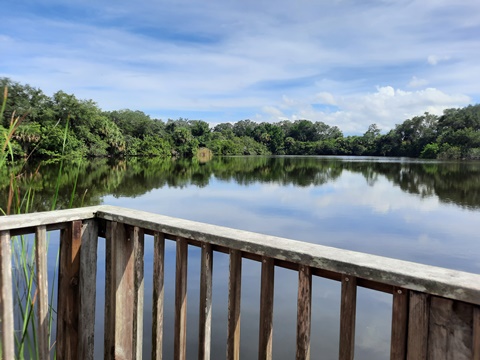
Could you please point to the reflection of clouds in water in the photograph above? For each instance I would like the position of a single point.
(350, 190)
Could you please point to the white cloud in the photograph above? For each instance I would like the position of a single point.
(325, 98)
(434, 59)
(385, 107)
(416, 82)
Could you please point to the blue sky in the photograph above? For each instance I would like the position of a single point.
(344, 62)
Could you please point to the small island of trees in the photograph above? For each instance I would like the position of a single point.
(62, 125)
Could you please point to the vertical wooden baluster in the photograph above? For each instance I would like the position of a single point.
(120, 285)
(88, 288)
(42, 290)
(6, 296)
(266, 309)
(398, 344)
(158, 295)
(68, 291)
(418, 317)
(304, 312)
(234, 295)
(180, 342)
(205, 314)
(347, 317)
(138, 243)
(109, 320)
(476, 333)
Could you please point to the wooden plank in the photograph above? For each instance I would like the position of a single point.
(120, 284)
(138, 244)
(304, 312)
(476, 333)
(266, 310)
(158, 295)
(234, 297)
(17, 222)
(109, 318)
(450, 330)
(347, 317)
(418, 318)
(205, 311)
(88, 288)
(398, 344)
(6, 297)
(418, 277)
(68, 291)
(42, 290)
(180, 334)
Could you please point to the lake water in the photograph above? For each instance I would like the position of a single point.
(421, 211)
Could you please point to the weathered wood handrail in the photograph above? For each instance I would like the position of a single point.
(435, 311)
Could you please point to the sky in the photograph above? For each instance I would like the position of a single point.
(348, 63)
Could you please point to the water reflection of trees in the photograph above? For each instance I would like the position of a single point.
(455, 183)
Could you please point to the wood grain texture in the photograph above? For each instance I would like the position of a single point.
(450, 330)
(88, 288)
(304, 312)
(418, 319)
(109, 310)
(476, 333)
(398, 343)
(347, 317)
(68, 291)
(265, 344)
(138, 243)
(6, 296)
(205, 310)
(121, 298)
(180, 331)
(158, 295)
(42, 292)
(234, 297)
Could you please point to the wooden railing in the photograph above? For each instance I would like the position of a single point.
(436, 312)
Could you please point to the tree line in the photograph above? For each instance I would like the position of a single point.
(62, 125)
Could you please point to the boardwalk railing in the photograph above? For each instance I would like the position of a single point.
(436, 311)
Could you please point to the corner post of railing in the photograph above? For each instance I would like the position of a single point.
(123, 284)
(68, 291)
(6, 296)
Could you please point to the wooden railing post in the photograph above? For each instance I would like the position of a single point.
(476, 333)
(42, 288)
(119, 293)
(234, 297)
(180, 335)
(6, 296)
(68, 291)
(266, 309)
(138, 237)
(304, 312)
(205, 311)
(88, 288)
(398, 343)
(347, 317)
(418, 318)
(158, 295)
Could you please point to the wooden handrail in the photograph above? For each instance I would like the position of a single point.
(432, 306)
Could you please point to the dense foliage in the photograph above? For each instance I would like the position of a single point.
(64, 125)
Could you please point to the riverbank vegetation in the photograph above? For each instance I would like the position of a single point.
(91, 132)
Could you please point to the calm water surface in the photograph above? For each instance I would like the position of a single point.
(422, 211)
